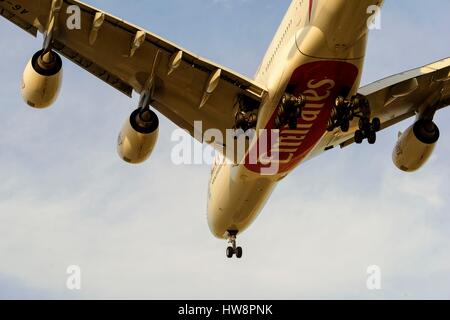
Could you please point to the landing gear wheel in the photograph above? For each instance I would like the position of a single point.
(345, 111)
(278, 123)
(293, 123)
(359, 137)
(372, 137)
(233, 249)
(289, 111)
(361, 103)
(376, 124)
(345, 126)
(339, 101)
(364, 124)
(230, 252)
(238, 252)
(341, 115)
(330, 125)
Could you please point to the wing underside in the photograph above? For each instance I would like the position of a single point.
(403, 96)
(186, 88)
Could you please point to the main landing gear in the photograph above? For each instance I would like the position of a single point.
(357, 107)
(289, 111)
(233, 249)
(246, 116)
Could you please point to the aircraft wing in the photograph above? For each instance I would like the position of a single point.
(186, 87)
(402, 96)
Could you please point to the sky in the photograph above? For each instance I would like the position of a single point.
(140, 232)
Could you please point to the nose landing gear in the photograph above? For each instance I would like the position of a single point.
(357, 107)
(233, 249)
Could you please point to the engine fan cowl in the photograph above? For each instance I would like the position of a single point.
(416, 145)
(42, 79)
(138, 137)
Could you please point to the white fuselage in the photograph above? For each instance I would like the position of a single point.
(318, 52)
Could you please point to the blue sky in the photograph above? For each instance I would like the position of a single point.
(141, 232)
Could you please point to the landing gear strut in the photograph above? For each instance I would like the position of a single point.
(233, 249)
(357, 107)
(289, 110)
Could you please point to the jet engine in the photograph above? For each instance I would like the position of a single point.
(42, 79)
(416, 145)
(138, 136)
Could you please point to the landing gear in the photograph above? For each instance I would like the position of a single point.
(246, 120)
(246, 116)
(230, 252)
(357, 107)
(367, 130)
(233, 249)
(289, 110)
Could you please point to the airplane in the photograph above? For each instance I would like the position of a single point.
(307, 90)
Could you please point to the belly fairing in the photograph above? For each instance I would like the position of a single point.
(320, 82)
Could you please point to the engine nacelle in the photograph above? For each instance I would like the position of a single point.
(42, 79)
(138, 136)
(416, 145)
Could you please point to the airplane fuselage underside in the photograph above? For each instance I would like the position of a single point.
(315, 62)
